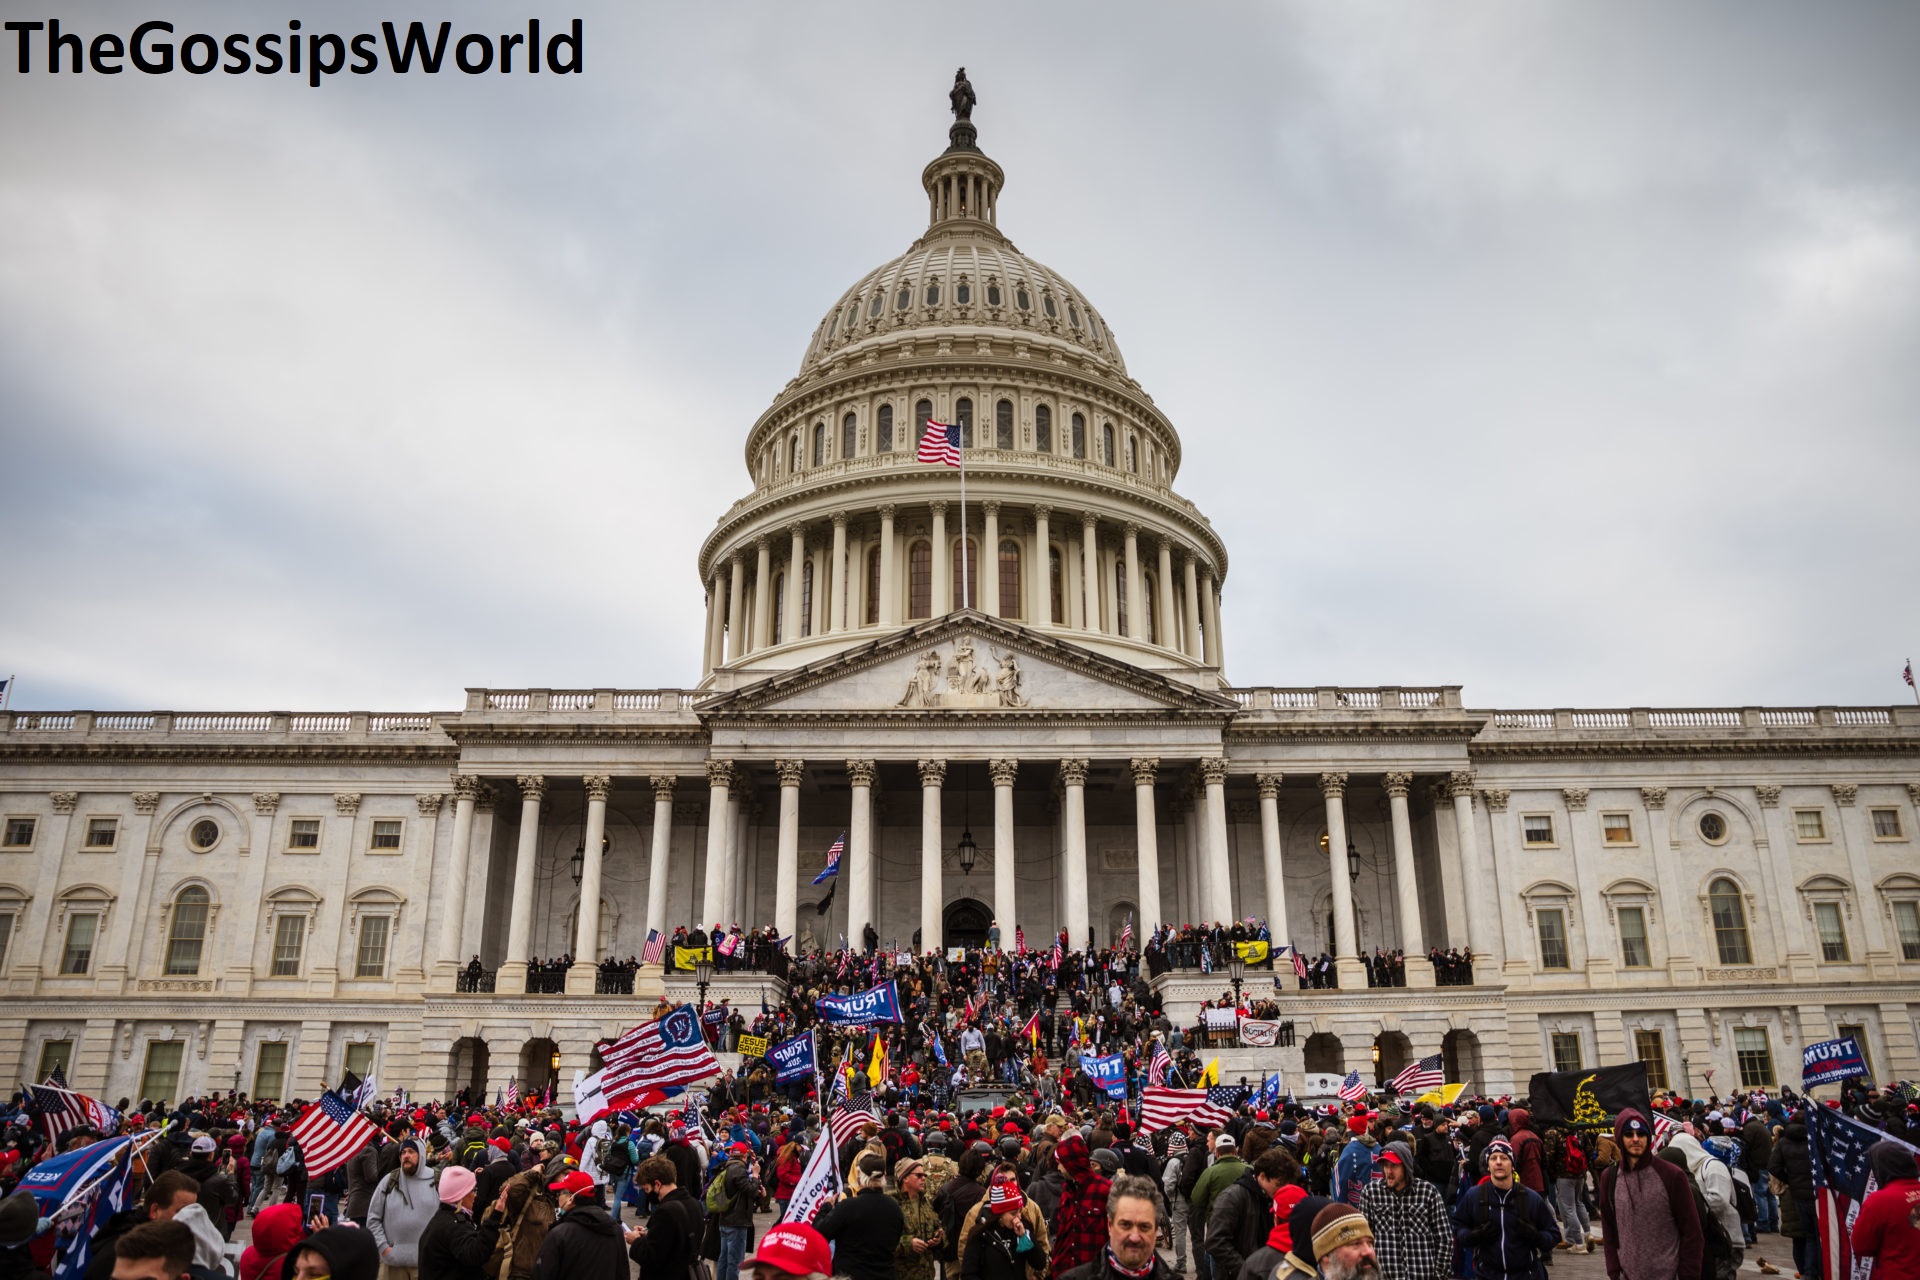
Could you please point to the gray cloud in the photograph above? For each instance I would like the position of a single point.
(1560, 351)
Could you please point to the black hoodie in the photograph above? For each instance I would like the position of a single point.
(585, 1244)
(1792, 1162)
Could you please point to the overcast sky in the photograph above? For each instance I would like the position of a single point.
(1569, 352)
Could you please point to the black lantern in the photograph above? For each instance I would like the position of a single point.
(579, 860)
(968, 851)
(1353, 863)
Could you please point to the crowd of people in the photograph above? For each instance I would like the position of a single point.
(1036, 1187)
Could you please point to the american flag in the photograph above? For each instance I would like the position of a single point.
(654, 946)
(1299, 965)
(1159, 1064)
(1162, 1108)
(1058, 952)
(940, 443)
(665, 1054)
(1842, 1179)
(59, 1108)
(846, 1120)
(1418, 1077)
(1352, 1089)
(513, 1091)
(331, 1132)
(834, 851)
(1229, 1096)
(694, 1117)
(1126, 933)
(1663, 1129)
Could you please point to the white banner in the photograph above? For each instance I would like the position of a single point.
(1220, 1019)
(820, 1179)
(1259, 1033)
(589, 1100)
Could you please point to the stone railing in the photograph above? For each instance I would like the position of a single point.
(670, 702)
(1344, 698)
(193, 725)
(1645, 719)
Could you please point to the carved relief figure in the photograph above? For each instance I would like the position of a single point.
(964, 676)
(1007, 683)
(924, 690)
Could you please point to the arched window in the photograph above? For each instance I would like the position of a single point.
(779, 605)
(1133, 456)
(1056, 587)
(883, 430)
(873, 586)
(1043, 428)
(806, 596)
(1120, 596)
(1146, 608)
(849, 436)
(966, 591)
(1729, 922)
(963, 416)
(922, 415)
(1106, 443)
(819, 444)
(933, 293)
(873, 308)
(1003, 425)
(920, 580)
(1009, 578)
(795, 469)
(903, 299)
(187, 932)
(963, 293)
(1079, 435)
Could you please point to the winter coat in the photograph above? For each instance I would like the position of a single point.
(585, 1244)
(363, 1175)
(1354, 1170)
(522, 1229)
(454, 1246)
(400, 1209)
(992, 1252)
(1529, 1152)
(1434, 1159)
(1099, 1270)
(1220, 1175)
(1080, 1229)
(1689, 1243)
(922, 1222)
(1715, 1181)
(1036, 1221)
(1240, 1220)
(864, 1228)
(1511, 1233)
(742, 1191)
(276, 1229)
(1792, 1162)
(675, 1229)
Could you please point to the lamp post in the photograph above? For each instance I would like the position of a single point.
(1237, 970)
(236, 1078)
(1353, 898)
(702, 975)
(578, 862)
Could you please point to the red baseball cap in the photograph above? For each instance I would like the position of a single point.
(794, 1248)
(575, 1182)
(1391, 1155)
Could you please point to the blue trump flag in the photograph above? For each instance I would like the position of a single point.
(80, 1190)
(1110, 1073)
(792, 1059)
(880, 1004)
(1831, 1062)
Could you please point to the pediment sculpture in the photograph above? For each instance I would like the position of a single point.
(964, 681)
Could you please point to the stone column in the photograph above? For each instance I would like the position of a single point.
(1090, 569)
(1346, 949)
(719, 789)
(1413, 939)
(889, 593)
(1270, 854)
(657, 863)
(1073, 778)
(1191, 585)
(1674, 908)
(1482, 896)
(1166, 619)
(1510, 911)
(1210, 606)
(734, 865)
(796, 569)
(533, 789)
(762, 593)
(1147, 842)
(942, 562)
(453, 895)
(1200, 878)
(838, 572)
(1042, 575)
(1136, 595)
(1003, 773)
(736, 605)
(859, 869)
(586, 945)
(1855, 838)
(987, 591)
(249, 902)
(1596, 955)
(1213, 770)
(708, 658)
(786, 889)
(1799, 954)
(932, 774)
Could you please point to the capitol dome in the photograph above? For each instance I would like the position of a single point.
(1069, 523)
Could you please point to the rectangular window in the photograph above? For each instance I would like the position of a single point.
(1634, 952)
(1754, 1056)
(304, 834)
(1538, 828)
(1651, 1048)
(371, 960)
(6, 938)
(270, 1070)
(20, 833)
(1833, 935)
(102, 832)
(1906, 921)
(360, 1059)
(1566, 1051)
(77, 957)
(1616, 828)
(386, 833)
(1886, 825)
(1809, 824)
(161, 1079)
(1859, 1034)
(1552, 924)
(289, 936)
(56, 1055)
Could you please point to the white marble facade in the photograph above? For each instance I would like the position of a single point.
(191, 899)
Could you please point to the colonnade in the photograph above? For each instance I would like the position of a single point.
(1105, 569)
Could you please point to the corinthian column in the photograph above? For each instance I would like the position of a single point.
(859, 868)
(1346, 950)
(1147, 843)
(1213, 770)
(796, 558)
(1270, 856)
(1191, 585)
(1073, 777)
(786, 886)
(1003, 773)
(1413, 939)
(1482, 897)
(988, 590)
(660, 853)
(713, 903)
(942, 562)
(1136, 627)
(889, 595)
(932, 774)
(1042, 575)
(736, 604)
(453, 899)
(533, 788)
(762, 593)
(1090, 570)
(1167, 621)
(586, 947)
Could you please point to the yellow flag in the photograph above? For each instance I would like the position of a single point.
(1211, 1075)
(1441, 1097)
(1253, 952)
(877, 1068)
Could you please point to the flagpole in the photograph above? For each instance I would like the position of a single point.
(966, 594)
(963, 499)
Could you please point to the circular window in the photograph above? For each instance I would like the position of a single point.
(1713, 828)
(205, 834)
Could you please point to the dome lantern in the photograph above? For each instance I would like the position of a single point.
(962, 184)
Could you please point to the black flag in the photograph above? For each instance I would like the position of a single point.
(1588, 1099)
(826, 903)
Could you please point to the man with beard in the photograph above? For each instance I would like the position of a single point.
(1343, 1244)
(1412, 1234)
(1646, 1210)
(1132, 1228)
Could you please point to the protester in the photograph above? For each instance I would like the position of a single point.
(1130, 1229)
(400, 1209)
(1412, 1234)
(585, 1243)
(1508, 1227)
(667, 1245)
(1650, 1228)
(1887, 1229)
(865, 1227)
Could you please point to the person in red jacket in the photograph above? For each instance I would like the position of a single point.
(1886, 1229)
(276, 1230)
(1529, 1152)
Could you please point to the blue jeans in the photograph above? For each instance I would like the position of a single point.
(1766, 1205)
(1806, 1248)
(734, 1242)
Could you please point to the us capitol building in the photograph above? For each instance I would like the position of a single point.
(191, 901)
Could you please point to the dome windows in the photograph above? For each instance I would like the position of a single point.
(993, 295)
(1073, 315)
(963, 415)
(1079, 439)
(1003, 425)
(903, 299)
(1010, 579)
(1046, 304)
(873, 308)
(1021, 300)
(920, 580)
(853, 315)
(933, 293)
(819, 444)
(883, 430)
(849, 436)
(1043, 428)
(1106, 443)
(922, 415)
(833, 326)
(963, 293)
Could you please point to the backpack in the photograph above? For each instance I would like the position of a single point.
(1743, 1201)
(1573, 1158)
(614, 1156)
(717, 1200)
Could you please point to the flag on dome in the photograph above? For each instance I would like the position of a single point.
(834, 850)
(1352, 1089)
(1424, 1073)
(940, 442)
